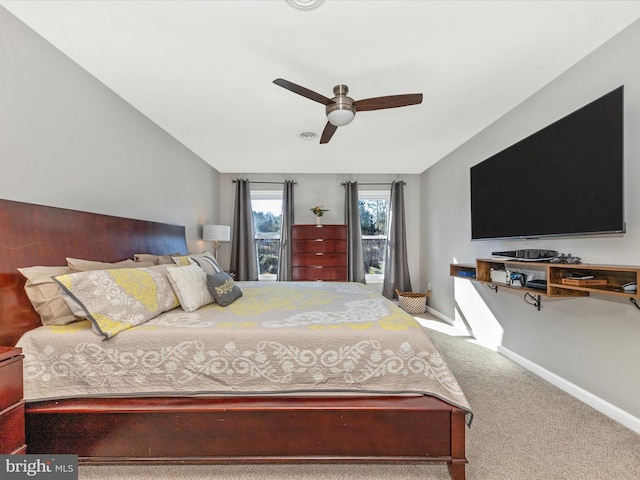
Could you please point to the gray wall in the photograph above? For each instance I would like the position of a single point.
(66, 140)
(588, 343)
(326, 190)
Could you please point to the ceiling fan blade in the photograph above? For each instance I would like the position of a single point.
(391, 101)
(328, 132)
(305, 92)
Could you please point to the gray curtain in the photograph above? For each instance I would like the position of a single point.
(396, 267)
(284, 258)
(355, 255)
(244, 261)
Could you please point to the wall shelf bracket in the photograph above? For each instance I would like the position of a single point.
(533, 300)
(634, 302)
(493, 287)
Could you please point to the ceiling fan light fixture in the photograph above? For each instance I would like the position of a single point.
(340, 111)
(341, 116)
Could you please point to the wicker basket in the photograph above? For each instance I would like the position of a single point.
(412, 302)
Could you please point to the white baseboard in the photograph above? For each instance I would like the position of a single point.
(604, 407)
(440, 315)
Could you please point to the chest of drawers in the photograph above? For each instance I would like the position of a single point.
(319, 252)
(12, 438)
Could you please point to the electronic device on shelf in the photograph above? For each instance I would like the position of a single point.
(630, 287)
(518, 278)
(527, 254)
(464, 273)
(538, 284)
(565, 259)
(578, 276)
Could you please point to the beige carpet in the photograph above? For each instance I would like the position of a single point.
(524, 429)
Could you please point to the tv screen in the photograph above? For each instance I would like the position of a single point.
(566, 179)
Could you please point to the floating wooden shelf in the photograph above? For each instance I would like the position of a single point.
(607, 279)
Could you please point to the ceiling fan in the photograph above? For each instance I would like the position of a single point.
(341, 109)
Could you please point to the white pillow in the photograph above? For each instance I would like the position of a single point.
(190, 285)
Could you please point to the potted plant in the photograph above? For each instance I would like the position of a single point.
(318, 211)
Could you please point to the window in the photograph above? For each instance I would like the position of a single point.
(267, 215)
(373, 222)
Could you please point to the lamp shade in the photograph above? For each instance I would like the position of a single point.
(220, 233)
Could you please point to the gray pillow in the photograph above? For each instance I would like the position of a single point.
(223, 289)
(207, 263)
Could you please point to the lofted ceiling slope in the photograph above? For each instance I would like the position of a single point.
(203, 70)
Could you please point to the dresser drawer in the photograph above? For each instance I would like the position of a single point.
(330, 274)
(10, 381)
(320, 245)
(311, 232)
(318, 259)
(12, 439)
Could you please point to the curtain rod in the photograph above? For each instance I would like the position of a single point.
(374, 183)
(273, 183)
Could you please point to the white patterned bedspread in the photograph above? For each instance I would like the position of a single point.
(279, 337)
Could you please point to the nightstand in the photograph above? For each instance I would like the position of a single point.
(12, 440)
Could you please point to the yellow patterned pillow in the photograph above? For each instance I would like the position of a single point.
(115, 300)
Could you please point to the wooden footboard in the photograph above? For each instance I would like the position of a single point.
(251, 429)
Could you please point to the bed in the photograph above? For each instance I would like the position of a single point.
(313, 405)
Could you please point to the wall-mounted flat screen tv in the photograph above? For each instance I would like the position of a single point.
(566, 179)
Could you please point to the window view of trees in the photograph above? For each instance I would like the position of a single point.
(267, 229)
(266, 225)
(373, 222)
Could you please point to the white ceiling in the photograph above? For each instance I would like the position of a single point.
(203, 70)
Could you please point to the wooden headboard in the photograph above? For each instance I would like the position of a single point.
(33, 235)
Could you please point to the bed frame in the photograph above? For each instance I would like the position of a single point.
(199, 430)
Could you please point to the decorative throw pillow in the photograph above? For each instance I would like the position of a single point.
(208, 263)
(190, 285)
(117, 299)
(155, 259)
(223, 288)
(205, 260)
(79, 265)
(182, 260)
(46, 296)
